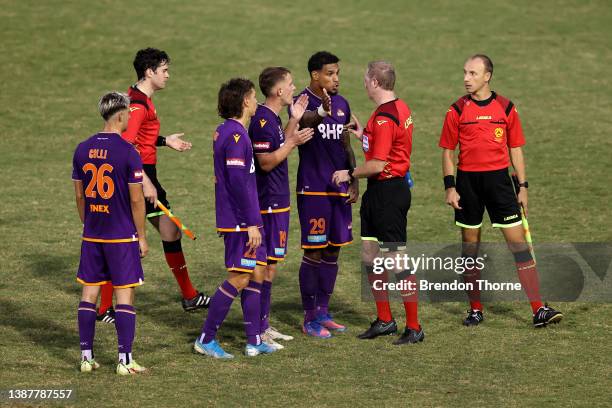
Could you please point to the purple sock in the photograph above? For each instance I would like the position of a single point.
(328, 271)
(308, 287)
(266, 294)
(86, 317)
(250, 298)
(220, 305)
(125, 323)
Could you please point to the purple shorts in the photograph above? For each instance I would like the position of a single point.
(324, 220)
(238, 256)
(276, 227)
(118, 263)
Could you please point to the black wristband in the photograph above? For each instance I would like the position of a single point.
(161, 141)
(350, 173)
(449, 181)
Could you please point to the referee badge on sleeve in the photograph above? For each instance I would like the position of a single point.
(365, 143)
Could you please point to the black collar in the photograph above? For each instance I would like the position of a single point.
(486, 101)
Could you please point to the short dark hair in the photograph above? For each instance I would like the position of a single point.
(149, 58)
(231, 97)
(488, 64)
(111, 103)
(271, 76)
(318, 59)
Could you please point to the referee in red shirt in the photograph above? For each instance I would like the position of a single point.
(487, 128)
(387, 144)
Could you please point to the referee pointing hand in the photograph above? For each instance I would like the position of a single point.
(387, 143)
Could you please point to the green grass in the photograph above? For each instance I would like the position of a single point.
(552, 59)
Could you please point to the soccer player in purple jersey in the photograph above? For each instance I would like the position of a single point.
(107, 174)
(324, 208)
(238, 220)
(272, 145)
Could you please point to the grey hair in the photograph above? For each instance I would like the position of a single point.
(112, 103)
(384, 73)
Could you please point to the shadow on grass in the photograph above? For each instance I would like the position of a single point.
(47, 334)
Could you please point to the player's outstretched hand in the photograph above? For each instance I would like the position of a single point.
(522, 200)
(326, 102)
(175, 142)
(299, 107)
(144, 247)
(340, 176)
(149, 190)
(303, 135)
(452, 198)
(355, 127)
(254, 237)
(353, 192)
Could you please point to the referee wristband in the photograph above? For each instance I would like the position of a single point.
(449, 181)
(321, 112)
(161, 141)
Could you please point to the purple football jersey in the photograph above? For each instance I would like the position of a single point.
(267, 135)
(106, 164)
(324, 153)
(236, 202)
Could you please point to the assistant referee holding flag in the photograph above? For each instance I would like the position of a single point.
(387, 144)
(487, 128)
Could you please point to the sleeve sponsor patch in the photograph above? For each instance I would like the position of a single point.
(234, 162)
(261, 145)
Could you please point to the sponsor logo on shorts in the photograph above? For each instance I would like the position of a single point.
(511, 217)
(317, 238)
(279, 251)
(261, 145)
(248, 262)
(235, 162)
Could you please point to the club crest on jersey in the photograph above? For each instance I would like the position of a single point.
(234, 162)
(261, 145)
(236, 137)
(262, 122)
(340, 112)
(499, 134)
(365, 143)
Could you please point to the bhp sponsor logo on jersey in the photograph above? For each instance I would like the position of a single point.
(261, 145)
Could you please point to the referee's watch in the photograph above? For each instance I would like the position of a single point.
(524, 184)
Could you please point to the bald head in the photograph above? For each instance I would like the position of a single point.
(486, 61)
(383, 72)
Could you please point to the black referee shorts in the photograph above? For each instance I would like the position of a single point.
(384, 211)
(492, 190)
(152, 211)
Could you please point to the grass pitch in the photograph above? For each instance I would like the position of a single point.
(552, 59)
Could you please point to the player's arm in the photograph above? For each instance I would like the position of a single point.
(518, 162)
(448, 142)
(353, 189)
(80, 199)
(516, 141)
(448, 171)
(313, 118)
(268, 161)
(139, 214)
